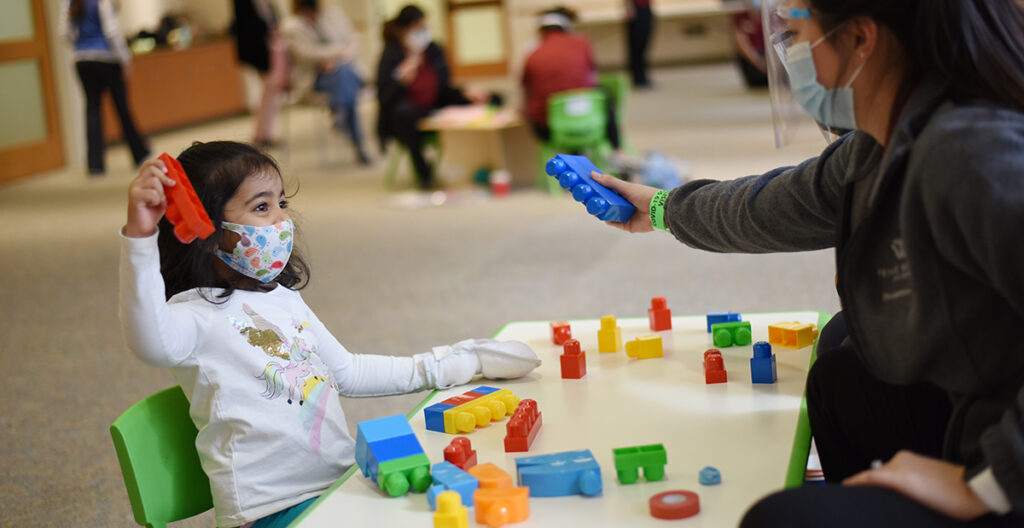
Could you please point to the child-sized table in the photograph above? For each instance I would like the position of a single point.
(755, 434)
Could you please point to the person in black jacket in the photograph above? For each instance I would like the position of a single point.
(412, 81)
(259, 46)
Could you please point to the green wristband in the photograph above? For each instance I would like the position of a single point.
(658, 210)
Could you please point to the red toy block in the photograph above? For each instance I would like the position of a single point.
(184, 209)
(522, 427)
(676, 504)
(714, 367)
(560, 332)
(460, 453)
(574, 360)
(659, 315)
(465, 397)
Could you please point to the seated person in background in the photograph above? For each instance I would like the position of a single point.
(323, 49)
(562, 61)
(413, 80)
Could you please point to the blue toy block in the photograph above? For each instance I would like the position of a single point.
(483, 389)
(560, 474)
(709, 476)
(762, 365)
(722, 317)
(448, 476)
(434, 416)
(573, 174)
(382, 440)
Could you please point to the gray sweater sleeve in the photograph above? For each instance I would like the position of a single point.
(787, 209)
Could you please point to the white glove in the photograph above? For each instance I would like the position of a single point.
(458, 364)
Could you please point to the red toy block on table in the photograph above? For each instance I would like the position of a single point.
(460, 453)
(676, 504)
(560, 332)
(714, 367)
(522, 427)
(659, 315)
(184, 209)
(574, 360)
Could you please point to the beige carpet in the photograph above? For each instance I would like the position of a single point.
(386, 279)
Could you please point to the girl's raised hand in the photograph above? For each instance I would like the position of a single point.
(146, 200)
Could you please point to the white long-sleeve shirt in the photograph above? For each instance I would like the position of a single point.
(262, 375)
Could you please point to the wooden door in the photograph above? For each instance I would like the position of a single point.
(29, 128)
(478, 42)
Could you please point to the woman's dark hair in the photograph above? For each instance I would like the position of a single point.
(76, 10)
(408, 16)
(975, 48)
(311, 5)
(216, 170)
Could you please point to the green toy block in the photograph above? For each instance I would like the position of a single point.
(733, 333)
(396, 476)
(652, 458)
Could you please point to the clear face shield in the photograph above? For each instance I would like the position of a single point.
(788, 116)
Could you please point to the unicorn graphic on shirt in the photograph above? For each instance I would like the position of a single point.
(295, 376)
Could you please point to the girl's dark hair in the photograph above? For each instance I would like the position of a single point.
(76, 10)
(216, 170)
(408, 16)
(975, 48)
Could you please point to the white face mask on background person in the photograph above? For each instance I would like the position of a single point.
(418, 40)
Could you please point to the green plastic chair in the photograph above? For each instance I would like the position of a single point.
(578, 123)
(155, 441)
(398, 152)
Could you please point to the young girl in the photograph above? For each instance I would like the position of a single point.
(261, 372)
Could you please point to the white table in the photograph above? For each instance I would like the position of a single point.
(756, 435)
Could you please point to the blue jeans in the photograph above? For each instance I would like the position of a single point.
(342, 85)
(284, 517)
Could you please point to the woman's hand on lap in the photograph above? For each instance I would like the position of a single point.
(146, 199)
(930, 481)
(638, 195)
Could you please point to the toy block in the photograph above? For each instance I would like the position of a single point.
(792, 334)
(560, 474)
(560, 332)
(398, 475)
(676, 504)
(714, 367)
(184, 210)
(652, 458)
(709, 476)
(479, 412)
(384, 439)
(574, 360)
(450, 511)
(465, 397)
(736, 333)
(762, 365)
(460, 453)
(483, 389)
(722, 317)
(434, 416)
(645, 347)
(491, 476)
(609, 337)
(522, 427)
(659, 315)
(448, 477)
(500, 506)
(573, 174)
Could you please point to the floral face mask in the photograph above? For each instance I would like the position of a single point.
(262, 252)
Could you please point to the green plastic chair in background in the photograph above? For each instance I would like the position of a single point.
(398, 152)
(578, 123)
(155, 441)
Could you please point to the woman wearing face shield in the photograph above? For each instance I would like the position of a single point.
(412, 81)
(916, 403)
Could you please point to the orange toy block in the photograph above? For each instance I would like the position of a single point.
(500, 506)
(645, 347)
(659, 315)
(184, 209)
(792, 334)
(714, 367)
(491, 476)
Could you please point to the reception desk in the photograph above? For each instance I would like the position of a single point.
(171, 88)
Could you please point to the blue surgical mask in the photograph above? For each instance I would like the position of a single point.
(832, 108)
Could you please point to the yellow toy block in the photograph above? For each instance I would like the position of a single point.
(609, 337)
(645, 347)
(450, 511)
(480, 412)
(792, 334)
